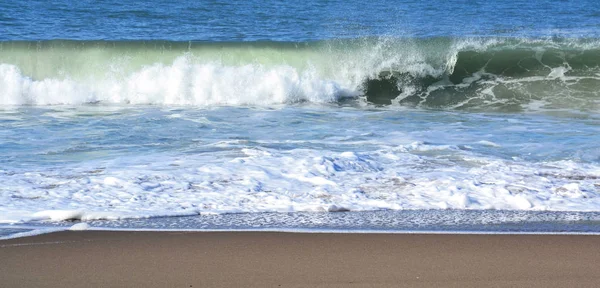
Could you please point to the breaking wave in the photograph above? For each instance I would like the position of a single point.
(442, 73)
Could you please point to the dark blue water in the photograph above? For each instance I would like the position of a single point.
(294, 20)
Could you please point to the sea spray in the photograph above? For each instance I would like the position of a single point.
(449, 73)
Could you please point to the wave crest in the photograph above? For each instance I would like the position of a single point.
(498, 74)
(182, 83)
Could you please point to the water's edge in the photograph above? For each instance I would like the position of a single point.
(407, 221)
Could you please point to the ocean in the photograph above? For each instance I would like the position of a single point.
(448, 116)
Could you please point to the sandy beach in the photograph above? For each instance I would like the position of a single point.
(264, 259)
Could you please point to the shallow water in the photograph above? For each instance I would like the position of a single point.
(98, 162)
(404, 221)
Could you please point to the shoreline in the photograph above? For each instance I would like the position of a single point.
(384, 221)
(35, 231)
(269, 259)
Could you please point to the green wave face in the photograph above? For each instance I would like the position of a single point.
(447, 73)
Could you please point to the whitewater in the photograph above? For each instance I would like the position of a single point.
(105, 162)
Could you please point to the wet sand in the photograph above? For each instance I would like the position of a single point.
(264, 259)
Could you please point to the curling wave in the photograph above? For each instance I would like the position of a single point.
(484, 74)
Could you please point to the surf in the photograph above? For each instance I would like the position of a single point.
(500, 74)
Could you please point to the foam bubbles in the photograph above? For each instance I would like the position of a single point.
(80, 227)
(99, 162)
(295, 181)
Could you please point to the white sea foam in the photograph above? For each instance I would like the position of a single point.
(298, 180)
(80, 227)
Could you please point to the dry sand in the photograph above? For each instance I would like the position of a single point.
(263, 259)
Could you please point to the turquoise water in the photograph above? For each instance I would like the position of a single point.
(112, 111)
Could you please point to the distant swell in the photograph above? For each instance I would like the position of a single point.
(480, 74)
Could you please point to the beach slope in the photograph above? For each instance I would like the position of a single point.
(265, 259)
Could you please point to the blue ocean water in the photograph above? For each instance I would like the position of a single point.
(294, 20)
(117, 111)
